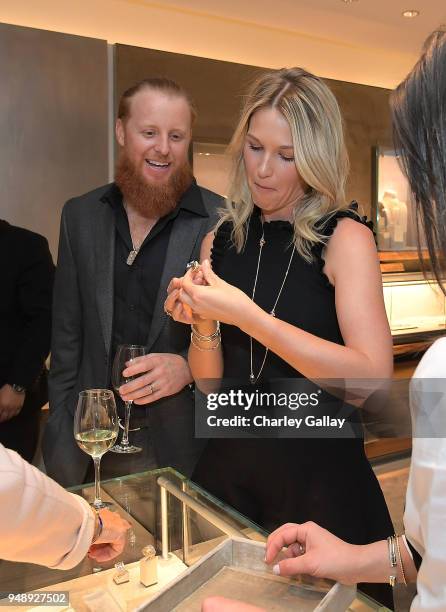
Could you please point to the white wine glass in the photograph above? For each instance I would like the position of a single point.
(95, 430)
(124, 354)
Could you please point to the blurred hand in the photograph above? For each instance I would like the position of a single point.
(161, 375)
(222, 604)
(111, 542)
(182, 313)
(11, 403)
(217, 300)
(314, 551)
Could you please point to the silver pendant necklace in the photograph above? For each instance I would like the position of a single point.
(252, 377)
(132, 255)
(135, 250)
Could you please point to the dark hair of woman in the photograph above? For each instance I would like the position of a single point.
(418, 107)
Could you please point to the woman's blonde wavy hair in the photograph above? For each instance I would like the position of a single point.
(320, 154)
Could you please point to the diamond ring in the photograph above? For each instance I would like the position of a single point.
(193, 265)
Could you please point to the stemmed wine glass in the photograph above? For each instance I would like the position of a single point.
(125, 353)
(96, 430)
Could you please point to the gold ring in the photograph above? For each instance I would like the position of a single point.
(167, 312)
(151, 389)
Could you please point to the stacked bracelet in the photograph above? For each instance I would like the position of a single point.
(395, 559)
(392, 559)
(200, 348)
(206, 338)
(196, 337)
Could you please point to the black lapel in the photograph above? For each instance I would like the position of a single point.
(183, 239)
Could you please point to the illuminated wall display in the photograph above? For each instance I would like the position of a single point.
(395, 220)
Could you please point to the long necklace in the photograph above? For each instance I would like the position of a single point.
(252, 377)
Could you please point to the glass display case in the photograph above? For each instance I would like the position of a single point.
(181, 520)
(416, 308)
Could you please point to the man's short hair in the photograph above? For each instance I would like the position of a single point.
(162, 84)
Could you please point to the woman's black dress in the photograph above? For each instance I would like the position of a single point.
(275, 481)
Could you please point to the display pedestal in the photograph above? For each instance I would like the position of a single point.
(98, 592)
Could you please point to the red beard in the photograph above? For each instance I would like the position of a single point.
(151, 200)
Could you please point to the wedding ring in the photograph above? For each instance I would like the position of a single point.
(151, 389)
(167, 312)
(193, 265)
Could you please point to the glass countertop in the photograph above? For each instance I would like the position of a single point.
(196, 524)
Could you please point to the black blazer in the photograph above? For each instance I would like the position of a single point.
(82, 330)
(26, 277)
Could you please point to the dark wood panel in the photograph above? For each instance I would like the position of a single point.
(217, 87)
(367, 123)
(387, 446)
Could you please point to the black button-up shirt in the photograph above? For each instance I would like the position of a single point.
(136, 286)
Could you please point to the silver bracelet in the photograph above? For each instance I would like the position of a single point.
(200, 348)
(206, 338)
(392, 559)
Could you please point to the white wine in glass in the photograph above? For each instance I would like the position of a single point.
(96, 430)
(96, 442)
(124, 354)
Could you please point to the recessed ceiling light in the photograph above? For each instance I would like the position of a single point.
(410, 14)
(349, 1)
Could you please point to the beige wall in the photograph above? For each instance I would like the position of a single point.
(156, 26)
(53, 124)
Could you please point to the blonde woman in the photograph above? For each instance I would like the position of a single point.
(296, 285)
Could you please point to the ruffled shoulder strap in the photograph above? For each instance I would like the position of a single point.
(222, 241)
(327, 226)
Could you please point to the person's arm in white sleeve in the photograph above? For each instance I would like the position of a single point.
(425, 512)
(425, 524)
(42, 523)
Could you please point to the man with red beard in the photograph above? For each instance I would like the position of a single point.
(120, 245)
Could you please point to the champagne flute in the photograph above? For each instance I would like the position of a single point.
(125, 353)
(96, 430)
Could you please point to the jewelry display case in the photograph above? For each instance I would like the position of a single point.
(416, 309)
(182, 521)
